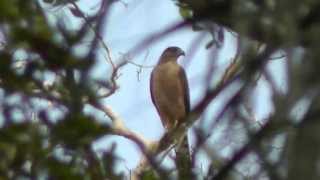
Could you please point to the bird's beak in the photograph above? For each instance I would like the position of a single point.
(181, 52)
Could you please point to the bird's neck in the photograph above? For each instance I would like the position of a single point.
(167, 59)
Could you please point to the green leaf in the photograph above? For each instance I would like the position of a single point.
(78, 130)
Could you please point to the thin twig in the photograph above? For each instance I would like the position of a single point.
(99, 37)
(140, 65)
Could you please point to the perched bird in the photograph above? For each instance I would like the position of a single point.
(169, 88)
(170, 95)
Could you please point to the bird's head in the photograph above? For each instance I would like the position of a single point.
(171, 54)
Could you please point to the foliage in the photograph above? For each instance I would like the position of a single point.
(282, 24)
(264, 29)
(34, 143)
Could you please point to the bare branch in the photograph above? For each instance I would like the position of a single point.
(97, 34)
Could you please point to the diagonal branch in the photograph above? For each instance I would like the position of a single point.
(97, 34)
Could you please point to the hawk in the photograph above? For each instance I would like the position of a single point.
(170, 95)
(169, 89)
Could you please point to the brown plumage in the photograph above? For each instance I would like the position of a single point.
(170, 95)
(169, 88)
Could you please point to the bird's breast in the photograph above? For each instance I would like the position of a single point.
(167, 75)
(166, 80)
(168, 92)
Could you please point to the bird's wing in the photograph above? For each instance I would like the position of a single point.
(185, 86)
(151, 88)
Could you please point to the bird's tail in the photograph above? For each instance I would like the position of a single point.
(183, 159)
